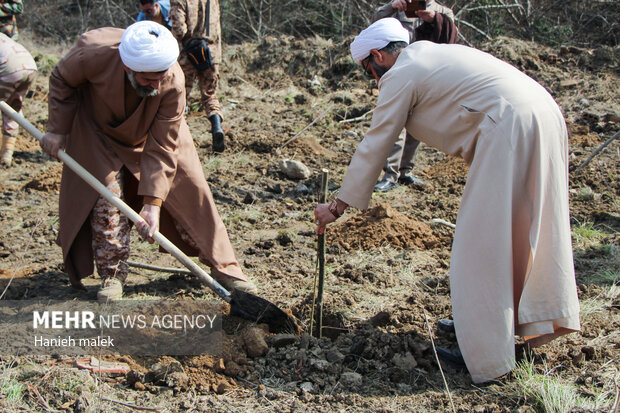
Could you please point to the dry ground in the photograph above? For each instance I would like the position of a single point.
(387, 269)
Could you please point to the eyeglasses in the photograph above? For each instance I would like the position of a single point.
(366, 66)
(148, 9)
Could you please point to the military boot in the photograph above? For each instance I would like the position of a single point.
(218, 133)
(6, 153)
(111, 290)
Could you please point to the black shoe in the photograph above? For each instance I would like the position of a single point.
(218, 133)
(452, 358)
(411, 180)
(386, 185)
(446, 325)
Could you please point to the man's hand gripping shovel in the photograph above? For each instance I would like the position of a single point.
(242, 304)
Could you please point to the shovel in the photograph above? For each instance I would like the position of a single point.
(242, 304)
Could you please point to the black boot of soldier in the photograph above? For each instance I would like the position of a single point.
(218, 133)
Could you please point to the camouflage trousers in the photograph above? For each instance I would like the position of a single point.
(13, 89)
(8, 26)
(111, 235)
(110, 231)
(207, 83)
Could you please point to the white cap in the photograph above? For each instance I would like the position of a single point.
(147, 46)
(377, 36)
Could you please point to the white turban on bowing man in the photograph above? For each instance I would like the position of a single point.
(377, 36)
(147, 46)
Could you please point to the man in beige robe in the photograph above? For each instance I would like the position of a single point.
(116, 106)
(512, 266)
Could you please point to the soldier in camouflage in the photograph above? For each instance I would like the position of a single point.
(201, 19)
(8, 11)
(17, 72)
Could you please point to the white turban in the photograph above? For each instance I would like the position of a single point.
(147, 46)
(377, 36)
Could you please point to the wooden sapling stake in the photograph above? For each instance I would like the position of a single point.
(317, 297)
(321, 253)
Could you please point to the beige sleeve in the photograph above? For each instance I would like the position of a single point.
(396, 98)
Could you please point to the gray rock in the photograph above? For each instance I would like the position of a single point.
(290, 386)
(177, 381)
(318, 364)
(294, 169)
(334, 356)
(403, 388)
(301, 189)
(405, 361)
(306, 386)
(162, 370)
(282, 340)
(351, 379)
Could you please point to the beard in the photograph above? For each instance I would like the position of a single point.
(142, 91)
(379, 70)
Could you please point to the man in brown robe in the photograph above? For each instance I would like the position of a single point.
(116, 105)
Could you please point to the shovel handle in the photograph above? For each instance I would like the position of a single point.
(121, 205)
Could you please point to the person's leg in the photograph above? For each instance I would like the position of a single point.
(227, 281)
(110, 243)
(13, 93)
(208, 81)
(190, 76)
(407, 162)
(392, 166)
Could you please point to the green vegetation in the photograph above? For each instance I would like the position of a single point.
(11, 389)
(45, 63)
(552, 395)
(585, 235)
(607, 276)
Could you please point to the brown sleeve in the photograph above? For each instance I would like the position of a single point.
(151, 200)
(63, 95)
(442, 30)
(158, 162)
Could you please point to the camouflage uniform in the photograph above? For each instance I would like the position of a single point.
(110, 230)
(111, 234)
(188, 19)
(17, 72)
(8, 11)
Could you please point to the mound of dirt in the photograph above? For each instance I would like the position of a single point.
(48, 180)
(379, 226)
(451, 167)
(368, 359)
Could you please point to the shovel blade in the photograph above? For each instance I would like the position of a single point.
(259, 310)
